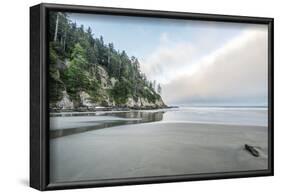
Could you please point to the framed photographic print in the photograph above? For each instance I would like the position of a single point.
(127, 96)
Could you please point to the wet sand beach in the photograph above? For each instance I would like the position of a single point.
(155, 149)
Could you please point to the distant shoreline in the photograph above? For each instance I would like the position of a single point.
(119, 109)
(108, 109)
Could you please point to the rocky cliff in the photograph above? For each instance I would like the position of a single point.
(84, 101)
(85, 73)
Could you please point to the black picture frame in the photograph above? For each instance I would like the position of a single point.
(39, 141)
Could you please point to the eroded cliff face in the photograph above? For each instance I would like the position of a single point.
(101, 98)
(86, 103)
(65, 103)
(144, 103)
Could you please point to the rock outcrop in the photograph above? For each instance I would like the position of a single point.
(85, 100)
(65, 103)
(103, 76)
(143, 103)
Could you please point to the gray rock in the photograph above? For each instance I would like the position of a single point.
(65, 103)
(85, 100)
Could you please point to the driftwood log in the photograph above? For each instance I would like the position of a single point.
(252, 150)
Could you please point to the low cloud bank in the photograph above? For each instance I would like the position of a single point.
(235, 73)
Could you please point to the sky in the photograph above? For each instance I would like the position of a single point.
(196, 62)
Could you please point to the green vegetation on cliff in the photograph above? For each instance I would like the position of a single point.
(84, 71)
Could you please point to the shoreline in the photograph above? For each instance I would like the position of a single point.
(107, 110)
(127, 109)
(68, 123)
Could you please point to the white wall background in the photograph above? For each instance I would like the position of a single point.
(14, 103)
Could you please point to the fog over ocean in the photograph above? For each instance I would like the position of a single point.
(252, 116)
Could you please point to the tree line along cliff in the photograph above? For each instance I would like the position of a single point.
(86, 73)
